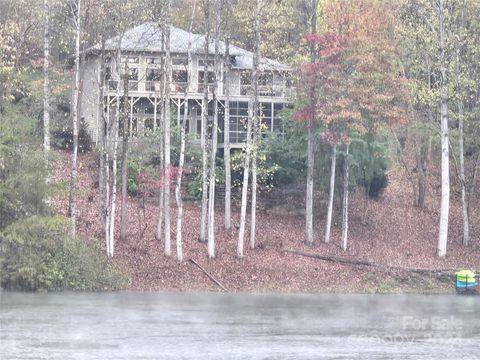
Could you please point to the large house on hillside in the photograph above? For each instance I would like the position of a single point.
(141, 48)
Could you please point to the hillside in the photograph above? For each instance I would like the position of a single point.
(393, 233)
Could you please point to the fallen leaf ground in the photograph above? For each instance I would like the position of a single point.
(392, 232)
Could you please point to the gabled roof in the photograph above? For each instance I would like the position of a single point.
(148, 38)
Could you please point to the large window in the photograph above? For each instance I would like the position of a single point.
(179, 60)
(152, 79)
(201, 79)
(203, 62)
(265, 79)
(153, 60)
(152, 74)
(238, 121)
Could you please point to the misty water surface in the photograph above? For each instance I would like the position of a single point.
(239, 326)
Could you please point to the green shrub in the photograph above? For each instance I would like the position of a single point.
(36, 253)
(194, 184)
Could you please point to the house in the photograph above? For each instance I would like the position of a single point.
(141, 48)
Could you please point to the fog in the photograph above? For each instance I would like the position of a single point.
(131, 325)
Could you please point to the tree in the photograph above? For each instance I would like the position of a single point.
(331, 193)
(252, 115)
(310, 137)
(226, 151)
(256, 126)
(348, 90)
(168, 170)
(181, 162)
(75, 120)
(445, 198)
(124, 156)
(46, 82)
(213, 151)
(204, 130)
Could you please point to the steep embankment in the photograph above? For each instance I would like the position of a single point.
(392, 233)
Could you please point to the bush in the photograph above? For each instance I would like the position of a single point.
(194, 184)
(37, 253)
(369, 164)
(63, 139)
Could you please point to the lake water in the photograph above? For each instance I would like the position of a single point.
(137, 325)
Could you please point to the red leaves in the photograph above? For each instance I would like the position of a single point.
(303, 115)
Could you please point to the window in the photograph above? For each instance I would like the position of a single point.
(180, 76)
(130, 59)
(153, 60)
(152, 74)
(238, 121)
(203, 62)
(112, 84)
(265, 113)
(277, 117)
(179, 60)
(133, 74)
(245, 78)
(265, 79)
(210, 78)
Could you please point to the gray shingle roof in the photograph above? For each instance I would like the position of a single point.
(148, 37)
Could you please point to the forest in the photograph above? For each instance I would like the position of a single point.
(239, 145)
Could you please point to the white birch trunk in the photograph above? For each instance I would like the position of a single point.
(102, 137)
(246, 171)
(330, 195)
(461, 118)
(213, 154)
(311, 145)
(345, 202)
(204, 132)
(256, 59)
(161, 204)
(445, 198)
(226, 140)
(46, 81)
(124, 159)
(178, 185)
(181, 163)
(75, 103)
(168, 78)
(113, 197)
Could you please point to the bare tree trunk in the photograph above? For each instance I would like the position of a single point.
(331, 193)
(168, 78)
(226, 140)
(46, 81)
(181, 163)
(115, 126)
(246, 171)
(252, 114)
(102, 176)
(461, 116)
(213, 154)
(124, 159)
(256, 59)
(445, 199)
(345, 201)
(161, 204)
(178, 185)
(75, 104)
(204, 131)
(311, 144)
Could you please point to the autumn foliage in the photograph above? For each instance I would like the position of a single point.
(356, 83)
